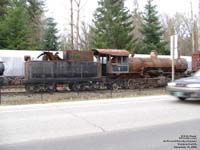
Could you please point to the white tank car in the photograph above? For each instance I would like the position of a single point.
(14, 63)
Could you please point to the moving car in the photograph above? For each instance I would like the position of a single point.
(185, 87)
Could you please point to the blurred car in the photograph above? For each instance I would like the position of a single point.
(185, 87)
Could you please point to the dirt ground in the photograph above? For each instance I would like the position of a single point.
(33, 98)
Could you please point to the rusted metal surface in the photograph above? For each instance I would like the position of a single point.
(155, 65)
(49, 56)
(112, 52)
(181, 65)
(196, 61)
(78, 56)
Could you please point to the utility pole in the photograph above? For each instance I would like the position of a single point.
(72, 24)
(192, 20)
(174, 52)
(199, 27)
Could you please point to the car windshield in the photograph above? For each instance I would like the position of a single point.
(197, 74)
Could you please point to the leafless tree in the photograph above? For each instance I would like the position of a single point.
(85, 38)
(72, 25)
(78, 5)
(181, 24)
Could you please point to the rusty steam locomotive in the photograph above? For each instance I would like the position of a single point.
(97, 69)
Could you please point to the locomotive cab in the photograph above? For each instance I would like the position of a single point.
(112, 61)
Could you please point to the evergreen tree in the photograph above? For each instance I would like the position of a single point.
(112, 26)
(3, 12)
(50, 41)
(14, 29)
(35, 10)
(152, 31)
(3, 7)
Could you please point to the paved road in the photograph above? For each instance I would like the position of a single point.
(52, 121)
(180, 135)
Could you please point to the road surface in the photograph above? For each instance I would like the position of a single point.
(87, 122)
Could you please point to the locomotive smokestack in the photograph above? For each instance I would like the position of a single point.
(154, 54)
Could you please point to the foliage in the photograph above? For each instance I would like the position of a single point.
(50, 41)
(3, 12)
(3, 7)
(181, 25)
(152, 31)
(112, 26)
(137, 21)
(20, 24)
(35, 10)
(14, 29)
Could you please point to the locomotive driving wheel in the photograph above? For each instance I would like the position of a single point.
(115, 86)
(131, 84)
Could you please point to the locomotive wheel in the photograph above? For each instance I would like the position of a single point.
(29, 88)
(131, 84)
(115, 86)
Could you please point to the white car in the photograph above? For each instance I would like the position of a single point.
(185, 87)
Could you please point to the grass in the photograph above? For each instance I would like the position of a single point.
(76, 96)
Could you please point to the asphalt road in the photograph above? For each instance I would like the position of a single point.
(180, 135)
(102, 124)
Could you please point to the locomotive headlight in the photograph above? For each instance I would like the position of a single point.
(193, 85)
(171, 84)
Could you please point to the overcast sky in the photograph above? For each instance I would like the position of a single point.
(60, 9)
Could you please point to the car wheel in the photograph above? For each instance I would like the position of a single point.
(181, 98)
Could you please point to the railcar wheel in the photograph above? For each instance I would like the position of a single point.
(115, 86)
(132, 84)
(29, 88)
(70, 87)
(52, 88)
(75, 87)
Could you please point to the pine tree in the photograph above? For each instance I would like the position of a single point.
(3, 7)
(3, 12)
(35, 10)
(152, 31)
(15, 26)
(112, 26)
(50, 41)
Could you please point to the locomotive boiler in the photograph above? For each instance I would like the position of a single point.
(154, 66)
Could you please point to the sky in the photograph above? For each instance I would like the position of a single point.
(60, 9)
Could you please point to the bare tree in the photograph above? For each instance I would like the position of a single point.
(72, 25)
(181, 24)
(78, 5)
(85, 38)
